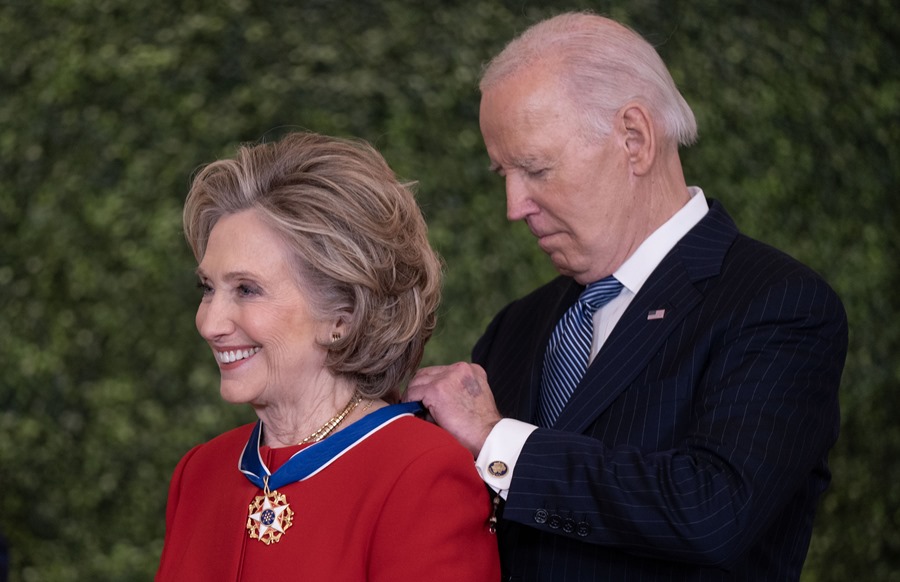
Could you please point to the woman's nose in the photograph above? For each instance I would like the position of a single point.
(214, 318)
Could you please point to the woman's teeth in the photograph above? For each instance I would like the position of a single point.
(235, 355)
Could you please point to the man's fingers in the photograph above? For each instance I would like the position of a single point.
(424, 375)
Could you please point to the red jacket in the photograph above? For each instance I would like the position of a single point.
(405, 504)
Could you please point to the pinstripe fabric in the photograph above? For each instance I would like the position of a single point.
(695, 446)
(567, 354)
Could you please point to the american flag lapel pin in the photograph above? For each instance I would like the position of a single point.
(656, 314)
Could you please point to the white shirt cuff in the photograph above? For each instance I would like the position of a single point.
(498, 456)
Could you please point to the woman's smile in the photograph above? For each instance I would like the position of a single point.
(232, 356)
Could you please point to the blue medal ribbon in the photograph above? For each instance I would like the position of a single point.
(313, 458)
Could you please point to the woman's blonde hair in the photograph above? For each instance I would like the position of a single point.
(358, 240)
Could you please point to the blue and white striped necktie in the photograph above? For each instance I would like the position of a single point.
(566, 359)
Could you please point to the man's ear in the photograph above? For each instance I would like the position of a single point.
(640, 138)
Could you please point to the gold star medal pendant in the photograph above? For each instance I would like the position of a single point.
(270, 515)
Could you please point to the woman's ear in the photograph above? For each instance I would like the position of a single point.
(335, 329)
(339, 329)
(640, 138)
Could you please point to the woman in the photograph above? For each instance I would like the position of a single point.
(319, 293)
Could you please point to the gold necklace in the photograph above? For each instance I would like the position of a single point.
(332, 424)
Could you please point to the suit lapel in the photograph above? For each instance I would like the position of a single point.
(638, 336)
(626, 352)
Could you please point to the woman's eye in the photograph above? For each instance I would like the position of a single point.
(245, 290)
(205, 288)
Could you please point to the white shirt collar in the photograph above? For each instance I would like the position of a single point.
(635, 271)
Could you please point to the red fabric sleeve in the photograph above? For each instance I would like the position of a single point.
(433, 525)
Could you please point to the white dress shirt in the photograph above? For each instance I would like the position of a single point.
(505, 441)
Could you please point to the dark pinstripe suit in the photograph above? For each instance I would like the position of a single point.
(695, 447)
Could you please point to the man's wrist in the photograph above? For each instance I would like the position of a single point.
(501, 449)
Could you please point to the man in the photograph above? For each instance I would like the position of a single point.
(694, 444)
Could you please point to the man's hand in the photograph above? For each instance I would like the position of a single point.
(459, 400)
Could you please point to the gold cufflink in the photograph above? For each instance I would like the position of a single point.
(498, 469)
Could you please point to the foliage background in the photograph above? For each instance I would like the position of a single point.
(108, 106)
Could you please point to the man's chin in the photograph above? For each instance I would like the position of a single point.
(581, 276)
(563, 266)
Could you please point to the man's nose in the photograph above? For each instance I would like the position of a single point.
(518, 201)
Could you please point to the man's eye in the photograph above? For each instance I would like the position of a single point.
(536, 173)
